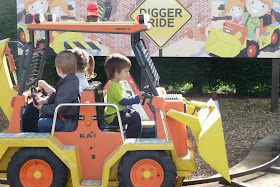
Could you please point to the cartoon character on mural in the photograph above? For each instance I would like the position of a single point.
(235, 9)
(246, 35)
(36, 6)
(256, 9)
(59, 8)
(31, 7)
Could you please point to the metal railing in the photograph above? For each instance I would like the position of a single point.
(88, 104)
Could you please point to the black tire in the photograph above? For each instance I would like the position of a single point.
(40, 44)
(275, 39)
(252, 50)
(158, 162)
(23, 161)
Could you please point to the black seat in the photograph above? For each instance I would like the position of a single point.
(266, 19)
(103, 126)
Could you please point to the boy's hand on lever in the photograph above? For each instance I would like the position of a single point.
(38, 106)
(40, 102)
(141, 95)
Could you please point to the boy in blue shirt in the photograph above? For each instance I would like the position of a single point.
(117, 68)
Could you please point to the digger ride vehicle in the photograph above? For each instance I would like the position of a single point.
(234, 40)
(96, 154)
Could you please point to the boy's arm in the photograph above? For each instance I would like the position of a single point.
(130, 100)
(256, 38)
(65, 96)
(48, 89)
(257, 30)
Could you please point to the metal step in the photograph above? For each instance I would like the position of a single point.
(68, 147)
(89, 182)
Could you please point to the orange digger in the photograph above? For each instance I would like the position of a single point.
(97, 154)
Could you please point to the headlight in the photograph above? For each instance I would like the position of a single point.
(228, 31)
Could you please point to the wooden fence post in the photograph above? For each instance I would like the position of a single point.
(275, 85)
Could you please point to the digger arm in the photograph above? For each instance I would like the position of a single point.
(7, 90)
(200, 104)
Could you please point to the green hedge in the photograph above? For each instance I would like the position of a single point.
(250, 77)
(247, 76)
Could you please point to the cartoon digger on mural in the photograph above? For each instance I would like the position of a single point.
(31, 7)
(258, 30)
(63, 10)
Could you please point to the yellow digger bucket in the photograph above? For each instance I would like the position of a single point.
(7, 90)
(223, 44)
(208, 131)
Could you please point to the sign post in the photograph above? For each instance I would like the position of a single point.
(275, 85)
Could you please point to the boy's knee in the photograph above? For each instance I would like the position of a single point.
(43, 125)
(42, 128)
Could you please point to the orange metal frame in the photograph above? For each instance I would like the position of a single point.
(94, 145)
(93, 27)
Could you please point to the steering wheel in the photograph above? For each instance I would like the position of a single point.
(147, 94)
(33, 92)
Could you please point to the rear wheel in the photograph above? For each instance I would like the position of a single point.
(40, 44)
(252, 50)
(274, 39)
(147, 169)
(36, 167)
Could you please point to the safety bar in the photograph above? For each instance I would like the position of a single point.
(88, 104)
(164, 125)
(199, 104)
(17, 42)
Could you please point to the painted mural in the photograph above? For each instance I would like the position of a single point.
(197, 28)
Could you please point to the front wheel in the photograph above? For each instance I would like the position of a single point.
(252, 50)
(147, 168)
(36, 167)
(21, 35)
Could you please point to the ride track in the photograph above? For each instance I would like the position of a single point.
(220, 179)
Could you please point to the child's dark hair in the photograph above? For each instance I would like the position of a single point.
(85, 62)
(116, 62)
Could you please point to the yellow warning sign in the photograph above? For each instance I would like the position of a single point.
(167, 18)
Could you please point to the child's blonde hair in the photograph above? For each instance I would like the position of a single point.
(62, 4)
(28, 2)
(66, 61)
(115, 62)
(85, 62)
(268, 2)
(230, 3)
